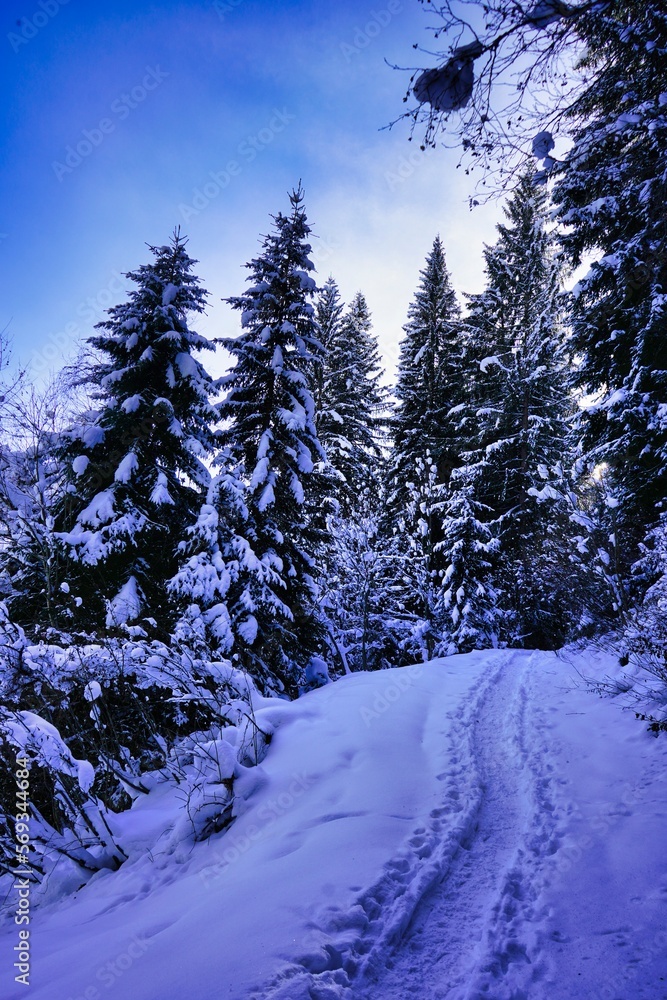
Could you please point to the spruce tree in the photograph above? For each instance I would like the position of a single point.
(361, 595)
(515, 421)
(330, 487)
(135, 466)
(349, 397)
(466, 607)
(270, 434)
(30, 561)
(417, 537)
(425, 443)
(610, 192)
(367, 420)
(212, 554)
(429, 381)
(350, 425)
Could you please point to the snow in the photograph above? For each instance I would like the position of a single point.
(543, 143)
(41, 742)
(92, 691)
(480, 825)
(80, 464)
(260, 473)
(317, 671)
(99, 511)
(306, 282)
(92, 436)
(546, 493)
(160, 493)
(485, 363)
(248, 629)
(127, 467)
(169, 293)
(617, 397)
(277, 360)
(267, 498)
(449, 87)
(126, 605)
(132, 404)
(187, 365)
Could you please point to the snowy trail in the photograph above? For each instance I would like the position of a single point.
(468, 937)
(451, 912)
(475, 828)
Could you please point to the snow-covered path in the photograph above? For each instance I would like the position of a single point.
(490, 927)
(470, 929)
(476, 827)
(542, 870)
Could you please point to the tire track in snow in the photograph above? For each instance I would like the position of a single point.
(478, 933)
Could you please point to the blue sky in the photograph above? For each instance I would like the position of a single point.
(121, 119)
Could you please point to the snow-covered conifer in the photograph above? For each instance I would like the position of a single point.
(349, 397)
(271, 437)
(515, 420)
(416, 535)
(610, 197)
(429, 381)
(466, 603)
(136, 465)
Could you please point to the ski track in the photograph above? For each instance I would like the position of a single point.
(476, 934)
(457, 914)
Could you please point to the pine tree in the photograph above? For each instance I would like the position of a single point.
(135, 467)
(272, 440)
(425, 442)
(611, 194)
(212, 556)
(417, 531)
(429, 381)
(467, 601)
(361, 593)
(516, 419)
(349, 397)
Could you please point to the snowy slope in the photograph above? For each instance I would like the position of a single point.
(480, 826)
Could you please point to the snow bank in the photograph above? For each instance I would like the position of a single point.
(348, 779)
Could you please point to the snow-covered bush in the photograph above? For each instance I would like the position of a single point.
(95, 719)
(209, 764)
(66, 818)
